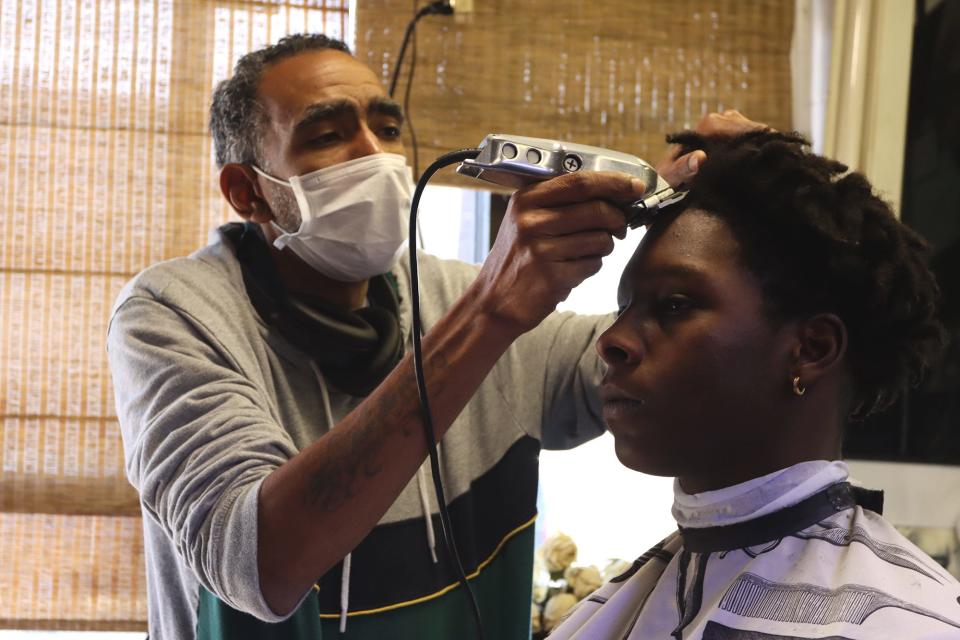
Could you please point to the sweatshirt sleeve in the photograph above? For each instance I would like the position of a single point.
(560, 361)
(199, 439)
(549, 378)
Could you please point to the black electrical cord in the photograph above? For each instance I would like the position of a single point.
(406, 102)
(440, 7)
(446, 528)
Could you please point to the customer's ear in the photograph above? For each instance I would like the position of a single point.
(821, 344)
(240, 186)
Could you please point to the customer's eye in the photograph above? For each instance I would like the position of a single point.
(674, 305)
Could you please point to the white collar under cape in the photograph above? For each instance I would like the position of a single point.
(756, 497)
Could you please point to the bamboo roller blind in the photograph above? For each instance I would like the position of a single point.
(617, 73)
(106, 167)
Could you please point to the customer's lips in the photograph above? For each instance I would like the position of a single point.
(619, 406)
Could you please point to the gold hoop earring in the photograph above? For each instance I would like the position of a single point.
(798, 389)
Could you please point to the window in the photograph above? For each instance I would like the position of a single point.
(105, 168)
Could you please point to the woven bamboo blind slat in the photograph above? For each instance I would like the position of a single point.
(105, 168)
(618, 73)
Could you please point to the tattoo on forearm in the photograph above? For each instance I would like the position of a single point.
(335, 483)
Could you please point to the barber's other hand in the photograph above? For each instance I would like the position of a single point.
(552, 238)
(728, 124)
(678, 170)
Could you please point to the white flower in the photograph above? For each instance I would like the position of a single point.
(559, 552)
(615, 568)
(539, 592)
(556, 608)
(541, 579)
(583, 580)
(535, 618)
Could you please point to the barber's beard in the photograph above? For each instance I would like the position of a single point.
(286, 211)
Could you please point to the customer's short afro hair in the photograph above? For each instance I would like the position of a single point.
(820, 240)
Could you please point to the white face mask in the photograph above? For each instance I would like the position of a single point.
(354, 216)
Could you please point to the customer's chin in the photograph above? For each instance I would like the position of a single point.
(644, 457)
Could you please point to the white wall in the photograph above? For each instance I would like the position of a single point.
(917, 495)
(866, 119)
(810, 67)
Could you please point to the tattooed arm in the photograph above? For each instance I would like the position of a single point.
(552, 238)
(338, 488)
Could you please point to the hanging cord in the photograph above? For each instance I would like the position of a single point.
(434, 8)
(441, 7)
(345, 592)
(345, 576)
(446, 528)
(427, 520)
(406, 104)
(409, 115)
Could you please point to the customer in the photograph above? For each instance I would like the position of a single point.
(780, 298)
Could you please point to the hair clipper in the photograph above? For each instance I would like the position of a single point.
(514, 161)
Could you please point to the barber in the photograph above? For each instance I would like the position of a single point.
(269, 411)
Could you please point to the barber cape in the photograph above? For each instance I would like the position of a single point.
(797, 554)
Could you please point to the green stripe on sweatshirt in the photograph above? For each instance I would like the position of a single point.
(503, 590)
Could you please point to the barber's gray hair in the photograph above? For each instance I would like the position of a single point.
(236, 116)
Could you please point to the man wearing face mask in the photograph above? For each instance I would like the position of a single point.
(270, 416)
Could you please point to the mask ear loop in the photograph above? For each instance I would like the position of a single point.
(294, 184)
(269, 177)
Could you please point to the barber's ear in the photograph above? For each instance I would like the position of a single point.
(239, 185)
(820, 347)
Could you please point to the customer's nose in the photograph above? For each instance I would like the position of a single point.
(617, 346)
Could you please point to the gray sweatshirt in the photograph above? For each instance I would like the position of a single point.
(211, 400)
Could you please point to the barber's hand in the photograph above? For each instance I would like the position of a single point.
(728, 124)
(552, 238)
(678, 170)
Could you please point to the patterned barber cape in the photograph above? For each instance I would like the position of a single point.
(797, 554)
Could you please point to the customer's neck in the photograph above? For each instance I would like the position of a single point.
(808, 428)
